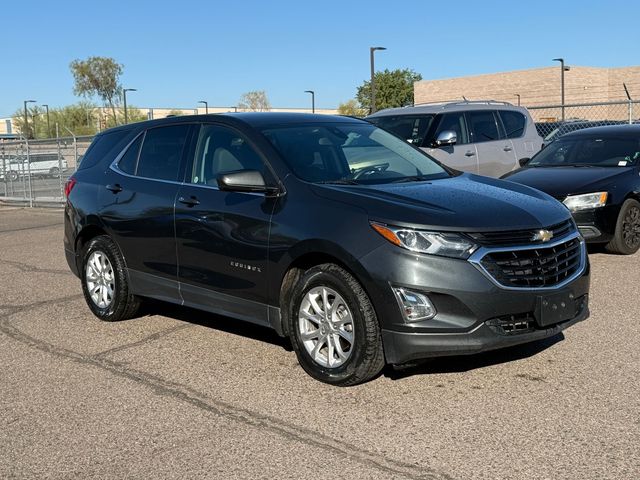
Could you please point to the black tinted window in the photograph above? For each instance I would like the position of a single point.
(412, 128)
(513, 122)
(483, 126)
(454, 122)
(129, 160)
(221, 149)
(103, 146)
(161, 152)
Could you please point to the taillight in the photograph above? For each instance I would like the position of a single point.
(68, 186)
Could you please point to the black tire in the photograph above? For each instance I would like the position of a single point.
(366, 358)
(626, 240)
(54, 172)
(12, 175)
(123, 304)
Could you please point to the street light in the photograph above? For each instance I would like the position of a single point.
(518, 95)
(373, 87)
(48, 124)
(562, 70)
(313, 100)
(26, 118)
(124, 94)
(206, 106)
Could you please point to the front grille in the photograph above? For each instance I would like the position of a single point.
(536, 267)
(521, 237)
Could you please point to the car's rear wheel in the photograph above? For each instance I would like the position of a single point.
(626, 240)
(333, 327)
(105, 282)
(54, 172)
(12, 175)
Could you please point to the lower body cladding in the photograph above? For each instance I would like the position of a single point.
(472, 313)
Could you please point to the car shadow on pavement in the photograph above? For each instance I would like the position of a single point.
(465, 363)
(217, 322)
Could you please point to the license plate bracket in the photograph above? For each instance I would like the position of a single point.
(555, 308)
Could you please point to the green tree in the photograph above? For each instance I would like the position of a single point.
(98, 76)
(351, 108)
(255, 101)
(394, 88)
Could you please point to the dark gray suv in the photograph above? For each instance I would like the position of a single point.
(271, 219)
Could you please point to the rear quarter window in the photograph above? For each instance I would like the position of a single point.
(513, 122)
(104, 146)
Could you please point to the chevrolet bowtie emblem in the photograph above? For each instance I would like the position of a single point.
(542, 236)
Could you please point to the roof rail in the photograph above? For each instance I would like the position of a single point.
(464, 102)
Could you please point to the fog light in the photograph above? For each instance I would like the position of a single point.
(414, 306)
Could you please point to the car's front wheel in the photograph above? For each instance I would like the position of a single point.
(333, 327)
(626, 240)
(105, 282)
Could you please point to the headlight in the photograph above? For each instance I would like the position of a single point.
(586, 201)
(434, 243)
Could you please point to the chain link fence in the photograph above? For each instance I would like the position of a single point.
(34, 172)
(553, 121)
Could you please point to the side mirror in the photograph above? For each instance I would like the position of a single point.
(446, 137)
(245, 181)
(524, 161)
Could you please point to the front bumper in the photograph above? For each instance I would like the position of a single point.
(469, 305)
(402, 347)
(597, 225)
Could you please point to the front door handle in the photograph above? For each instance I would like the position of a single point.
(507, 149)
(469, 153)
(115, 188)
(191, 201)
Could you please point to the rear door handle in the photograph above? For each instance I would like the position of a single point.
(507, 149)
(116, 188)
(469, 153)
(191, 201)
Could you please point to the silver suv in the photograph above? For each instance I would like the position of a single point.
(485, 137)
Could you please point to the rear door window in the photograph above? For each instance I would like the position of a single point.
(484, 126)
(162, 151)
(514, 123)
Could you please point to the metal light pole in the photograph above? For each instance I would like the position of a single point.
(562, 70)
(373, 71)
(48, 124)
(26, 118)
(313, 100)
(518, 95)
(124, 95)
(206, 106)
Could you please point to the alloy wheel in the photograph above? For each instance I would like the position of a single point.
(631, 227)
(100, 279)
(326, 327)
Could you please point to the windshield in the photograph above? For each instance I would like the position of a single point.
(589, 152)
(411, 128)
(351, 153)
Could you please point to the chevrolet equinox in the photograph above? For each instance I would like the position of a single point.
(356, 245)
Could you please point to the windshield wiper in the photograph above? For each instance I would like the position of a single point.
(340, 181)
(412, 178)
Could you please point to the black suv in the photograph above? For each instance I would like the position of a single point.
(356, 245)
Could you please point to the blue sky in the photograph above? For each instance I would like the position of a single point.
(176, 53)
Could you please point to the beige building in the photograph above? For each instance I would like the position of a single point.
(541, 87)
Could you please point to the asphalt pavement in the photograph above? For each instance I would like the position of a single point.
(178, 393)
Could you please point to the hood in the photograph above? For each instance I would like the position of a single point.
(562, 181)
(464, 203)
